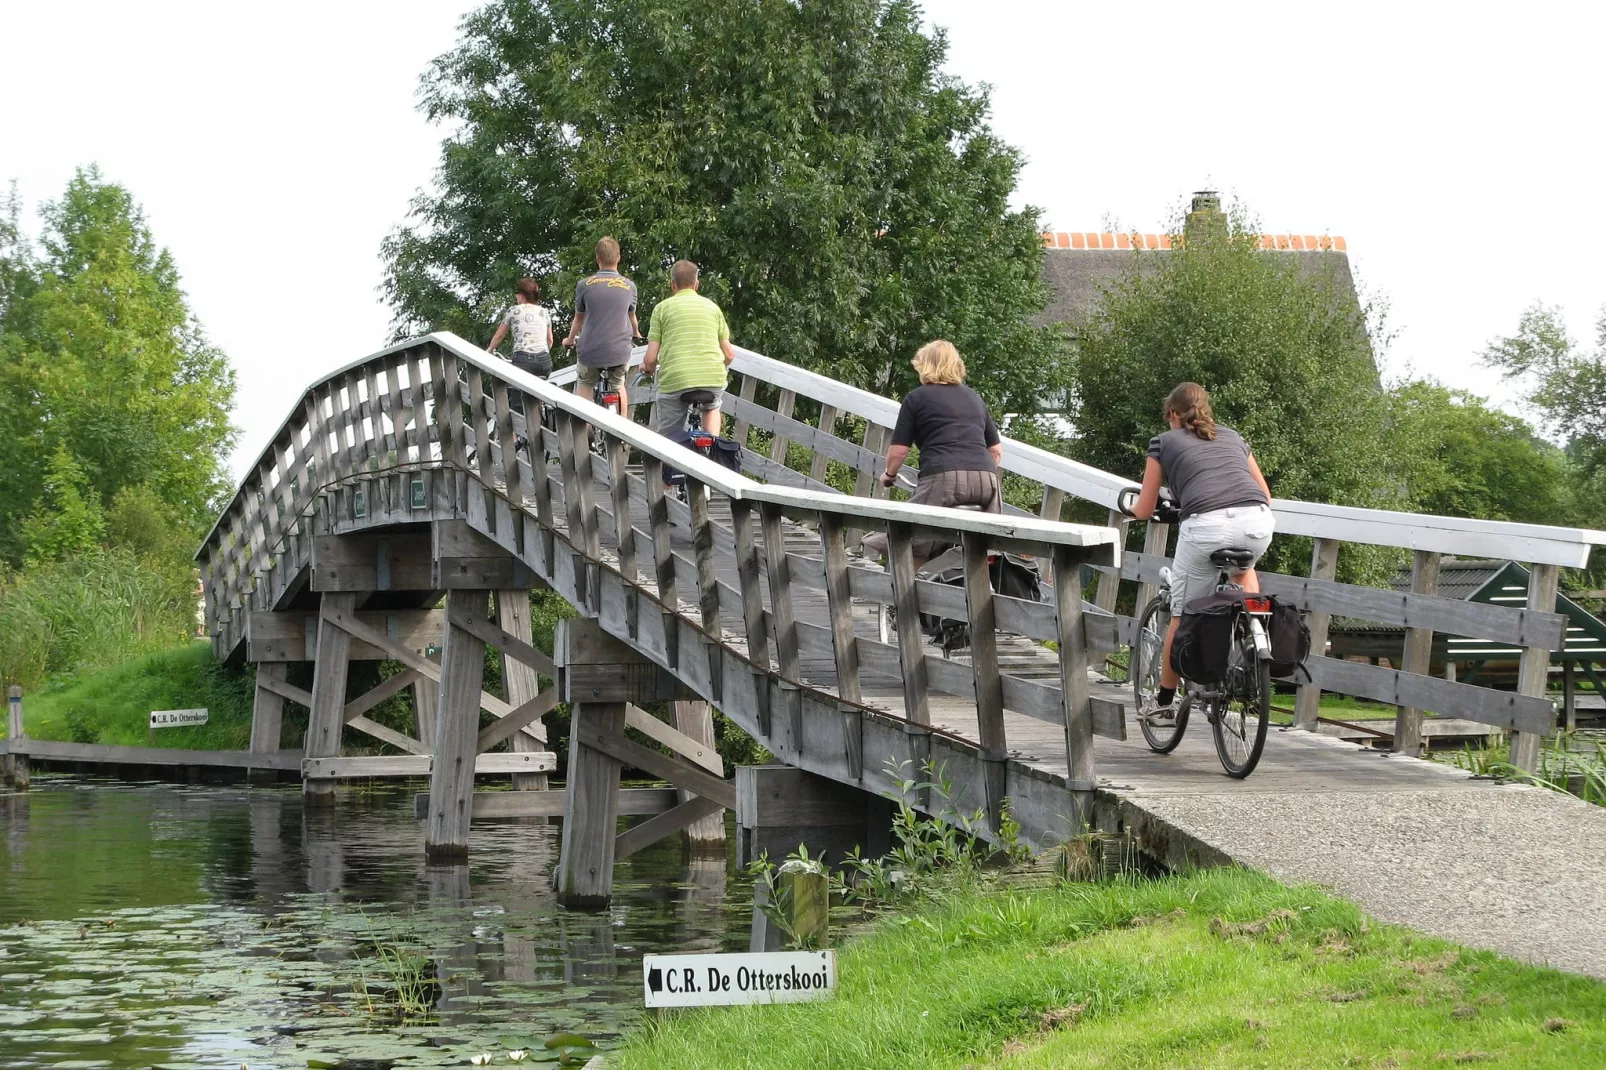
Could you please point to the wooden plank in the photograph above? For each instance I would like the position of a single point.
(783, 409)
(819, 464)
(387, 735)
(662, 552)
(525, 714)
(911, 658)
(1155, 536)
(327, 703)
(1108, 592)
(507, 639)
(1323, 567)
(1417, 656)
(1073, 669)
(739, 429)
(347, 622)
(267, 710)
(695, 721)
(590, 807)
(285, 689)
(282, 635)
(984, 671)
(633, 802)
(1533, 671)
(839, 602)
(387, 687)
(521, 664)
(1504, 709)
(677, 771)
(693, 811)
(420, 765)
(624, 540)
(109, 754)
(451, 778)
(693, 748)
(702, 536)
(1053, 503)
(749, 577)
(780, 579)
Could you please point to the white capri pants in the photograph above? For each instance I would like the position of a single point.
(1241, 527)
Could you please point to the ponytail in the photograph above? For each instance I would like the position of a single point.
(1191, 404)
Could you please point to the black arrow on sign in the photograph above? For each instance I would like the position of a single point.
(655, 980)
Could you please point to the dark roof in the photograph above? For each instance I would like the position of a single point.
(1460, 577)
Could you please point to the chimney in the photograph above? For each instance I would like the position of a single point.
(1205, 217)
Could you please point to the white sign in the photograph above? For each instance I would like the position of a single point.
(720, 980)
(175, 718)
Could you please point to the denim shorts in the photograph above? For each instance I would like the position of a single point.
(1241, 527)
(537, 364)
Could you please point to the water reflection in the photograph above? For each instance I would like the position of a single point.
(159, 924)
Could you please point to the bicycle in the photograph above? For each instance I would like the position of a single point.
(606, 393)
(1239, 706)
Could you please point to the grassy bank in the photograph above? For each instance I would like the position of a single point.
(114, 705)
(1220, 969)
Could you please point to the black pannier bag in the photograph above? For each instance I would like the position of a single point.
(1012, 576)
(1204, 637)
(726, 452)
(1290, 640)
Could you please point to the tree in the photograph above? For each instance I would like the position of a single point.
(68, 520)
(847, 200)
(1283, 352)
(1456, 456)
(101, 359)
(1564, 383)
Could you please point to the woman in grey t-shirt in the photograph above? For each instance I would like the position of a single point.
(1225, 504)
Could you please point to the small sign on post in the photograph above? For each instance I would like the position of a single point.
(722, 980)
(176, 718)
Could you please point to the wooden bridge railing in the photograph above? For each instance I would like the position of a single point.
(1536, 629)
(435, 428)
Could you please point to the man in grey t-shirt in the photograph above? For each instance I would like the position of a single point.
(604, 323)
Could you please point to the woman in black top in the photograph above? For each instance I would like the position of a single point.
(959, 445)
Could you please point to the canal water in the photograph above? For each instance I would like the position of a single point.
(156, 924)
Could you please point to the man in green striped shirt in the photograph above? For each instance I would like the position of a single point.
(689, 347)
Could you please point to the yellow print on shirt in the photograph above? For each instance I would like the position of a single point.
(618, 282)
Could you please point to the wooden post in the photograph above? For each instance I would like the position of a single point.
(702, 541)
(984, 669)
(1108, 593)
(523, 682)
(1417, 657)
(783, 407)
(1073, 668)
(1323, 566)
(267, 718)
(749, 574)
(1053, 503)
(818, 464)
(457, 725)
(326, 718)
(572, 442)
(16, 764)
(426, 702)
(1569, 695)
(1155, 536)
(590, 808)
(802, 902)
(624, 533)
(696, 719)
(1534, 669)
(845, 648)
(740, 428)
(652, 470)
(786, 644)
(911, 658)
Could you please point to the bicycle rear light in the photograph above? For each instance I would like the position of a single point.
(1257, 605)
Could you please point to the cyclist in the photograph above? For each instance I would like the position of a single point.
(604, 324)
(688, 348)
(959, 445)
(1224, 501)
(531, 326)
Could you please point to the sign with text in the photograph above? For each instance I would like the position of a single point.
(176, 718)
(721, 980)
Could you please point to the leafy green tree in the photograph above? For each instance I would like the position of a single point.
(1283, 351)
(69, 520)
(101, 358)
(1565, 383)
(1456, 456)
(847, 200)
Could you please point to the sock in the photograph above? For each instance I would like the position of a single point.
(1165, 696)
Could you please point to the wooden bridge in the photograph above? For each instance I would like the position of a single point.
(433, 469)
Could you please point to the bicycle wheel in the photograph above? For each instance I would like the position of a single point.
(1238, 721)
(1147, 652)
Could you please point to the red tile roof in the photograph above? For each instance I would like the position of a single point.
(1110, 240)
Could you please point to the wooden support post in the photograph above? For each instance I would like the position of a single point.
(1155, 536)
(1108, 593)
(702, 542)
(590, 807)
(1073, 668)
(984, 669)
(1323, 566)
(625, 535)
(1053, 503)
(523, 682)
(1417, 656)
(786, 642)
(16, 764)
(911, 657)
(801, 900)
(1534, 669)
(267, 718)
(573, 440)
(740, 428)
(326, 717)
(845, 648)
(819, 464)
(457, 724)
(696, 719)
(1569, 695)
(783, 407)
(652, 470)
(426, 702)
(749, 575)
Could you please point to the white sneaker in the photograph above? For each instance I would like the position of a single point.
(1159, 716)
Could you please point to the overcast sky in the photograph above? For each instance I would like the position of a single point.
(274, 146)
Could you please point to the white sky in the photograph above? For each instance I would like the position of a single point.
(1457, 148)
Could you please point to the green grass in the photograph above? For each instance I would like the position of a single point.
(114, 705)
(1220, 969)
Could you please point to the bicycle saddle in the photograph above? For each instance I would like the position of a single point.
(1232, 558)
(696, 397)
